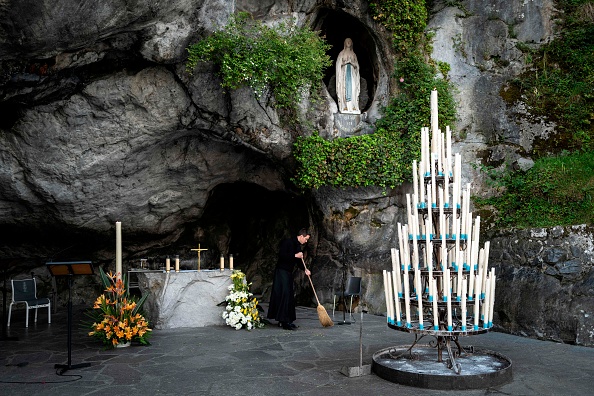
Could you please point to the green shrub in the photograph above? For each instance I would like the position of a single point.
(558, 190)
(286, 59)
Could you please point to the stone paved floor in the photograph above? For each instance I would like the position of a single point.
(269, 361)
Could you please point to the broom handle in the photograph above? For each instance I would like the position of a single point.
(310, 282)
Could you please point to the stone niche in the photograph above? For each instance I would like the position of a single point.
(336, 26)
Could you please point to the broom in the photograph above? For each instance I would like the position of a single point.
(322, 314)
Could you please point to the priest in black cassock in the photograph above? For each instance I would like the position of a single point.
(282, 299)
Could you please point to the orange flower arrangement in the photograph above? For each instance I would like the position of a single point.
(116, 315)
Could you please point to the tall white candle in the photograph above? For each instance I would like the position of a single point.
(434, 113)
(167, 264)
(416, 237)
(222, 262)
(415, 180)
(460, 289)
(118, 249)
(231, 262)
(447, 281)
(396, 270)
(433, 183)
(435, 309)
(492, 297)
(477, 299)
(396, 297)
(406, 296)
(486, 305)
(390, 297)
(386, 296)
(463, 303)
(421, 183)
(420, 299)
(176, 263)
(448, 150)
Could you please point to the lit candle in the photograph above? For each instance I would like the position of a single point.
(231, 262)
(167, 264)
(222, 262)
(118, 249)
(177, 263)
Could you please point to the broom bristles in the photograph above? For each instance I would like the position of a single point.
(324, 317)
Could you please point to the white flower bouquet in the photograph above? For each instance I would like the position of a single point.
(242, 310)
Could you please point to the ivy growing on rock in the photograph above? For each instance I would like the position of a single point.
(285, 59)
(384, 158)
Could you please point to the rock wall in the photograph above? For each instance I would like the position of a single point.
(545, 283)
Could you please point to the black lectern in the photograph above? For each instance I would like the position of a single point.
(69, 269)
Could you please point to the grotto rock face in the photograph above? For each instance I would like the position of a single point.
(101, 122)
(545, 283)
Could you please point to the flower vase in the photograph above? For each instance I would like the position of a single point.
(123, 345)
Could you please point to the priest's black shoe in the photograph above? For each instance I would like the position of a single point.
(287, 326)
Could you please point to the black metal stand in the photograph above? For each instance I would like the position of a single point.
(69, 365)
(344, 271)
(70, 269)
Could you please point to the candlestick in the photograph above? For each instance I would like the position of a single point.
(177, 263)
(222, 262)
(118, 250)
(167, 264)
(231, 262)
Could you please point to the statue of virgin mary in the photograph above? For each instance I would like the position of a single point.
(347, 80)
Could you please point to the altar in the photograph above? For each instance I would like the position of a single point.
(187, 298)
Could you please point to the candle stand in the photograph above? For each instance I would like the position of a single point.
(440, 286)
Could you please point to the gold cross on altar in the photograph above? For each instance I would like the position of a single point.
(198, 250)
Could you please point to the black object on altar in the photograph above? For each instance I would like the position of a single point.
(69, 269)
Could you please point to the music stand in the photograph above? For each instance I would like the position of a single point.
(69, 269)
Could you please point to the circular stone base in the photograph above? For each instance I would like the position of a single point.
(478, 368)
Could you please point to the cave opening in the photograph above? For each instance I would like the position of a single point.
(336, 26)
(248, 221)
